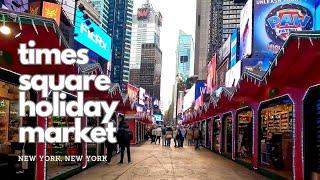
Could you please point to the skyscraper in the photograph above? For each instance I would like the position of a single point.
(102, 6)
(185, 56)
(224, 17)
(202, 40)
(145, 29)
(150, 70)
(119, 28)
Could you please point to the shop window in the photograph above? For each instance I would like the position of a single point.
(276, 141)
(216, 134)
(10, 122)
(244, 136)
(227, 135)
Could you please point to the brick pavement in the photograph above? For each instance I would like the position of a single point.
(156, 162)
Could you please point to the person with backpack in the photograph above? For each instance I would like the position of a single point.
(197, 137)
(169, 135)
(124, 135)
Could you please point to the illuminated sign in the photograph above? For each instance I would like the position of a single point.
(97, 40)
(143, 13)
(51, 10)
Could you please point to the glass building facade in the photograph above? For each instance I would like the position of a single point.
(185, 56)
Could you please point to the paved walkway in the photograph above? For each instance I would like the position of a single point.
(155, 162)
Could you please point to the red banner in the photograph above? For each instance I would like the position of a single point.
(211, 74)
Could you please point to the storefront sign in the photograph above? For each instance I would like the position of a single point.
(97, 40)
(246, 30)
(276, 19)
(51, 10)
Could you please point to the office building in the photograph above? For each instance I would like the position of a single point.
(119, 28)
(224, 17)
(102, 7)
(185, 56)
(150, 69)
(201, 38)
(145, 29)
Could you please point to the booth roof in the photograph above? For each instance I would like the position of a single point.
(295, 68)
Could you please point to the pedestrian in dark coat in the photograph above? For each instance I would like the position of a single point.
(124, 135)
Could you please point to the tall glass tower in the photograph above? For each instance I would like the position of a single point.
(185, 56)
(119, 28)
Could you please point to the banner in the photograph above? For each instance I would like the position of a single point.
(51, 10)
(234, 49)
(35, 8)
(132, 92)
(233, 75)
(211, 74)
(246, 30)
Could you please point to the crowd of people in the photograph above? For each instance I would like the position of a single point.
(192, 135)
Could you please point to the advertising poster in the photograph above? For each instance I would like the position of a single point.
(97, 40)
(276, 19)
(233, 75)
(221, 74)
(200, 88)
(142, 93)
(211, 74)
(234, 49)
(51, 10)
(226, 48)
(132, 92)
(246, 30)
(35, 8)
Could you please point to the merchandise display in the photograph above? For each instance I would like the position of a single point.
(244, 143)
(216, 134)
(227, 135)
(276, 142)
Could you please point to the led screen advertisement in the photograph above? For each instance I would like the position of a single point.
(246, 30)
(276, 19)
(221, 74)
(142, 94)
(233, 75)
(92, 36)
(200, 88)
(317, 14)
(234, 49)
(51, 10)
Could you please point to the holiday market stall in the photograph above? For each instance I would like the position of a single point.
(276, 110)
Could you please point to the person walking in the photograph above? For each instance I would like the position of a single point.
(197, 137)
(169, 135)
(179, 136)
(175, 133)
(124, 136)
(164, 130)
(110, 146)
(189, 136)
(158, 135)
(153, 136)
(183, 135)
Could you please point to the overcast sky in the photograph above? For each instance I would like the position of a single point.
(177, 14)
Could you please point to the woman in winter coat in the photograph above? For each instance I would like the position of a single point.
(169, 135)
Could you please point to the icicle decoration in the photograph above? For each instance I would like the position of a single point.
(19, 20)
(45, 26)
(34, 26)
(311, 42)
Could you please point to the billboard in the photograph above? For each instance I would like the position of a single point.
(51, 10)
(221, 74)
(276, 19)
(143, 13)
(211, 74)
(35, 8)
(200, 88)
(246, 30)
(234, 48)
(142, 93)
(15, 5)
(189, 98)
(68, 7)
(92, 36)
(226, 48)
(233, 75)
(132, 92)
